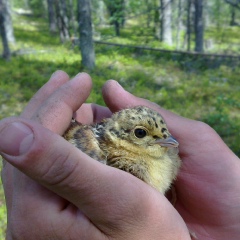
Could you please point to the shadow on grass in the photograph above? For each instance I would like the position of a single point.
(39, 37)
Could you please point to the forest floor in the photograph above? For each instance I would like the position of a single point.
(187, 87)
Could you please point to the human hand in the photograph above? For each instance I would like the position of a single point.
(61, 193)
(208, 189)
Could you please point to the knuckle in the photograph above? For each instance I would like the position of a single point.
(60, 170)
(204, 128)
(208, 134)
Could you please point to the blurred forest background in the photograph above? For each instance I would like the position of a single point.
(181, 54)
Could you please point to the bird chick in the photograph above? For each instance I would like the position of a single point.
(135, 140)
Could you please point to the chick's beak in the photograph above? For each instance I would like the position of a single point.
(170, 141)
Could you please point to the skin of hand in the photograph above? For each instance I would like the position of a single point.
(208, 189)
(54, 191)
(61, 193)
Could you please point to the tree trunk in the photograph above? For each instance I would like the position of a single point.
(26, 4)
(148, 13)
(72, 18)
(189, 3)
(233, 3)
(166, 21)
(100, 13)
(157, 26)
(233, 15)
(85, 30)
(123, 11)
(52, 17)
(116, 11)
(8, 22)
(179, 20)
(6, 50)
(117, 28)
(198, 25)
(62, 20)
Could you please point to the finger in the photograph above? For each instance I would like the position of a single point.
(57, 79)
(195, 138)
(7, 182)
(118, 98)
(36, 203)
(96, 189)
(91, 113)
(185, 130)
(57, 111)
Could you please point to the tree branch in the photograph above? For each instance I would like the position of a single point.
(234, 4)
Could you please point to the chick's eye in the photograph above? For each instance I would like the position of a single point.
(140, 133)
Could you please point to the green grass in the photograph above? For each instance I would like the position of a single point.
(3, 214)
(186, 86)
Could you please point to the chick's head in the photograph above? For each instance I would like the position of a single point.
(140, 130)
(136, 140)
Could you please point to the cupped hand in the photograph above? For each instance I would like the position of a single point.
(54, 191)
(208, 189)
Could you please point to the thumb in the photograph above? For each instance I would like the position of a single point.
(46, 157)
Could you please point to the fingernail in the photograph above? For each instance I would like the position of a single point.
(55, 73)
(119, 85)
(79, 74)
(15, 139)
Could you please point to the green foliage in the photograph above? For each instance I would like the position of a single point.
(19, 4)
(166, 79)
(11, 101)
(3, 212)
(38, 8)
(3, 220)
(224, 121)
(217, 11)
(115, 9)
